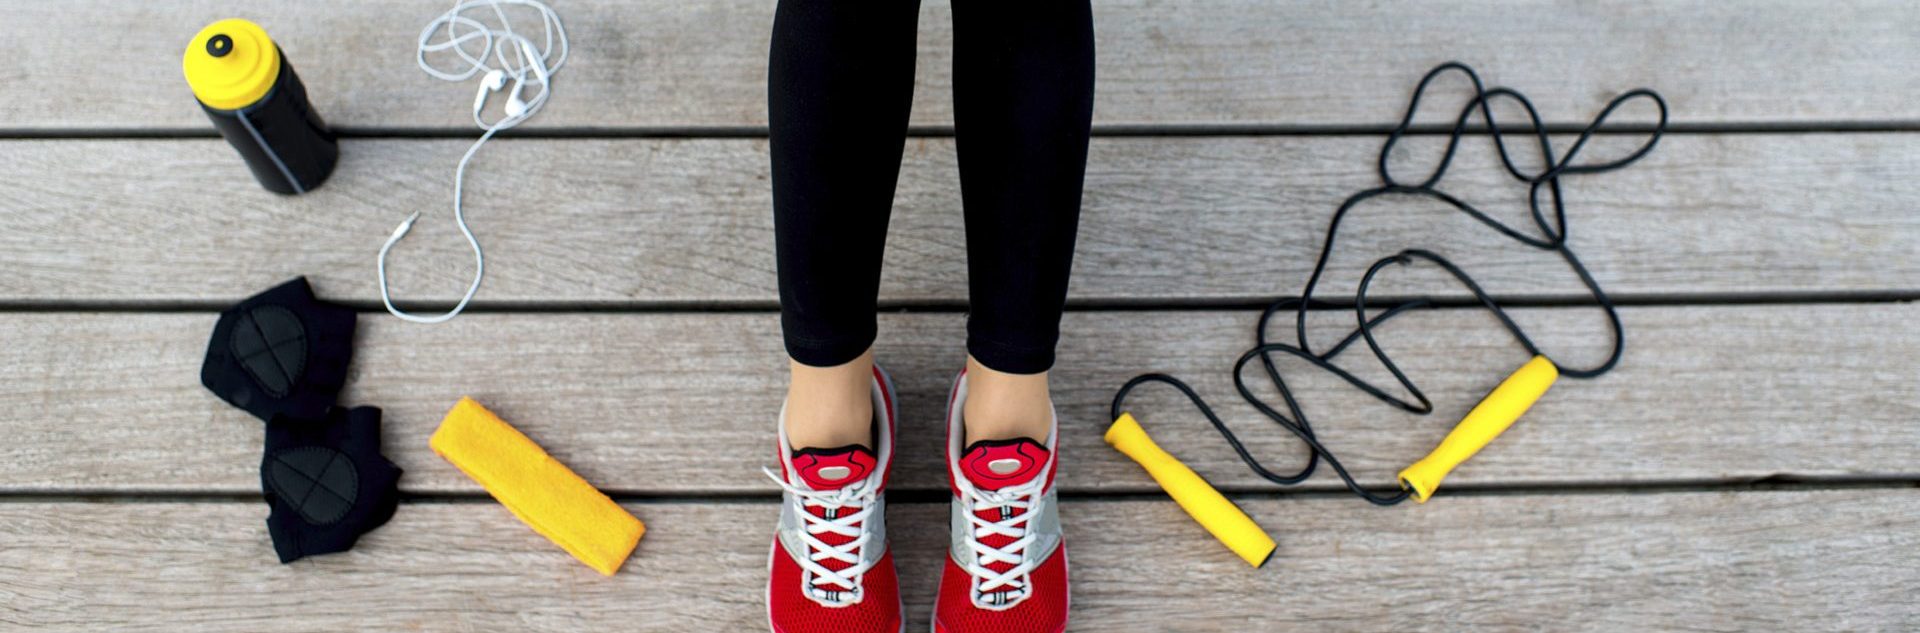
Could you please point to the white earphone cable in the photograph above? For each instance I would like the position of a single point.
(527, 63)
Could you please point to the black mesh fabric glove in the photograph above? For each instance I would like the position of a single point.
(280, 352)
(326, 481)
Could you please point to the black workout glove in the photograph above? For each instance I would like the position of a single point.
(326, 481)
(280, 352)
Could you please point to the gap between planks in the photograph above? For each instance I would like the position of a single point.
(1098, 131)
(1238, 493)
(1324, 302)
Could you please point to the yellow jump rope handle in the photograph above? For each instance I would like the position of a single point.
(1494, 414)
(1206, 505)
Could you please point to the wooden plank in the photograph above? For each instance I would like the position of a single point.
(1823, 560)
(615, 222)
(685, 403)
(1303, 62)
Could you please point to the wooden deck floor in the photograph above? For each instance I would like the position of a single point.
(1751, 466)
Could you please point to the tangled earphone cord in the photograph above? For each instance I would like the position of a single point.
(1553, 237)
(524, 64)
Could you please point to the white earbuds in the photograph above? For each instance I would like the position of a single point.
(515, 107)
(526, 62)
(492, 83)
(487, 44)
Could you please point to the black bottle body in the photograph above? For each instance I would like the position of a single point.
(282, 139)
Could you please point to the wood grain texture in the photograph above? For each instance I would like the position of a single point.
(1832, 560)
(125, 488)
(685, 403)
(615, 222)
(1300, 62)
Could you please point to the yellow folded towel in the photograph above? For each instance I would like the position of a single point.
(543, 492)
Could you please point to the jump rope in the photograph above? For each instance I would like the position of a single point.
(1494, 413)
(519, 59)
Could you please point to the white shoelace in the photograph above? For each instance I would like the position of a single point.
(862, 495)
(985, 580)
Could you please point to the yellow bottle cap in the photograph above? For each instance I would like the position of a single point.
(231, 64)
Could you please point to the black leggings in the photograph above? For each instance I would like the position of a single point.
(838, 93)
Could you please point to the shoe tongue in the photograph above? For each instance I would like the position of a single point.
(996, 464)
(833, 468)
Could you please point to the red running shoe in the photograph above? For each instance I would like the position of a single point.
(830, 569)
(1007, 566)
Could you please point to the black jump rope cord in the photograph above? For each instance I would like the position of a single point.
(1553, 237)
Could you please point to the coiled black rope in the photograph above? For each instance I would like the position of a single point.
(1552, 226)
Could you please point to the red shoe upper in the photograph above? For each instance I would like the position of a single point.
(991, 581)
(832, 488)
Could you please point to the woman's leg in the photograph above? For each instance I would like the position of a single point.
(1023, 103)
(839, 87)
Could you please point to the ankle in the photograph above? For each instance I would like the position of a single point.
(1004, 406)
(830, 407)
